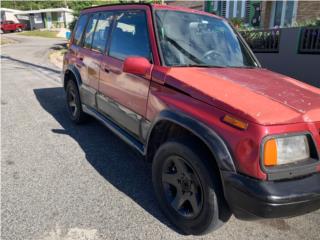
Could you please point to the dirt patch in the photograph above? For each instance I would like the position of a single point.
(4, 41)
(56, 57)
(279, 224)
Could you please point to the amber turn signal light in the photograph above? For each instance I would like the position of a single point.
(270, 153)
(235, 122)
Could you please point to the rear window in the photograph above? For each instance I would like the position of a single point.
(130, 36)
(81, 23)
(90, 30)
(102, 31)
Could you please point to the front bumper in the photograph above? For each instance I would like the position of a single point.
(249, 198)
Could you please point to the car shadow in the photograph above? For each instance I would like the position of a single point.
(109, 156)
(29, 64)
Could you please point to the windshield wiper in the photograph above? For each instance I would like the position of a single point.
(182, 50)
(198, 65)
(249, 67)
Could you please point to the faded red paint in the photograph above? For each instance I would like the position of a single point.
(271, 103)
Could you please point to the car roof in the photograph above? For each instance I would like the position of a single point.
(151, 5)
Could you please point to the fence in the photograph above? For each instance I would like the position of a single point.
(263, 40)
(310, 40)
(294, 52)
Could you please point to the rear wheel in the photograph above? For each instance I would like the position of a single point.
(74, 106)
(188, 190)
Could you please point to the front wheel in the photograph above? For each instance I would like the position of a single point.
(19, 30)
(187, 188)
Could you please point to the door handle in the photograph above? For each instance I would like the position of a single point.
(115, 71)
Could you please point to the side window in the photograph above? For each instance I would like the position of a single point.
(90, 30)
(101, 32)
(79, 29)
(130, 36)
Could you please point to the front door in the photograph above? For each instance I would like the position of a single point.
(123, 97)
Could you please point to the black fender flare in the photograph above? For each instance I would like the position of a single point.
(214, 142)
(75, 72)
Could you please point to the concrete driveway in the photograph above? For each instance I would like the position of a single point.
(62, 181)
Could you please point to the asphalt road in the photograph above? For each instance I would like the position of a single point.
(62, 181)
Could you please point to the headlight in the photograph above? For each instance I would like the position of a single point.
(284, 150)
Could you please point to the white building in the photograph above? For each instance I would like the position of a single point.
(39, 19)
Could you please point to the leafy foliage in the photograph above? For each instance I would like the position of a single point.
(308, 23)
(75, 5)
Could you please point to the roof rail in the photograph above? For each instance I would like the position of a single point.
(118, 4)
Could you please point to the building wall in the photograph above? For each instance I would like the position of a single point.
(266, 7)
(8, 16)
(308, 10)
(69, 18)
(289, 61)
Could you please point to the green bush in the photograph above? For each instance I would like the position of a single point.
(308, 23)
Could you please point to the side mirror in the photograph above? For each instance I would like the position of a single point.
(137, 65)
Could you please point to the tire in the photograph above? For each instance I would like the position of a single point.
(19, 30)
(192, 198)
(74, 105)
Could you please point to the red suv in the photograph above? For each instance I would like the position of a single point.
(182, 88)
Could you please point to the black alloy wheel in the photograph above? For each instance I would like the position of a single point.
(182, 187)
(74, 106)
(188, 187)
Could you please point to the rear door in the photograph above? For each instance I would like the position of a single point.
(88, 64)
(76, 41)
(123, 97)
(90, 55)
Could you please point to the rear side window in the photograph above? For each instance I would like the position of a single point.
(102, 31)
(80, 28)
(88, 37)
(130, 36)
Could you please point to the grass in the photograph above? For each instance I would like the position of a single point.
(37, 33)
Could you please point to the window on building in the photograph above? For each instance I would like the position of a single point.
(101, 32)
(90, 30)
(233, 9)
(283, 13)
(289, 13)
(130, 36)
(239, 9)
(79, 28)
(278, 13)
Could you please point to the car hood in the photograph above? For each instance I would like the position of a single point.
(257, 95)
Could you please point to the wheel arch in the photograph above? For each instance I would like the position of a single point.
(213, 142)
(71, 73)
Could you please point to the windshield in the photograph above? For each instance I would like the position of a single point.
(189, 39)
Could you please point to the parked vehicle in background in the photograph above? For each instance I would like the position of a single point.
(182, 88)
(11, 26)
